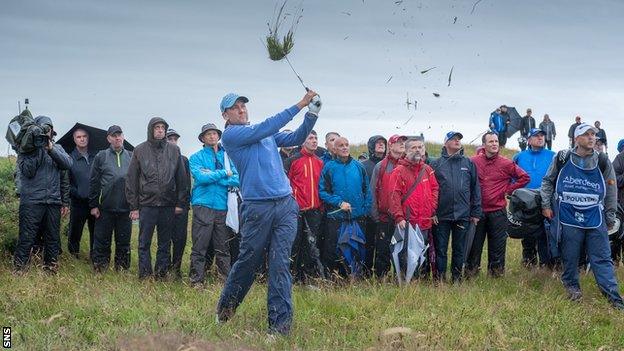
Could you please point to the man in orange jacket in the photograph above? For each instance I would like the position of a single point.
(304, 170)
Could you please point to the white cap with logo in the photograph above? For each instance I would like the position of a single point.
(583, 128)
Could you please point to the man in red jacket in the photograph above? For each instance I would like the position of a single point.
(421, 203)
(304, 170)
(498, 177)
(381, 188)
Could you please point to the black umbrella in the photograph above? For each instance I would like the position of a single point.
(97, 139)
(515, 121)
(470, 234)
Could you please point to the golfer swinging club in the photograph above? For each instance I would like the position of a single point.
(269, 211)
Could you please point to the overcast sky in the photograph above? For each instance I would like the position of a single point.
(122, 62)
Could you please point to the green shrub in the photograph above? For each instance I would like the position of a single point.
(9, 205)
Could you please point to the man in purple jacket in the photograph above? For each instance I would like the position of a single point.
(269, 211)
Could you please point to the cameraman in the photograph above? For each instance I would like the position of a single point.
(40, 197)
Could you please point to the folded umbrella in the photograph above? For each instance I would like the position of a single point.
(351, 242)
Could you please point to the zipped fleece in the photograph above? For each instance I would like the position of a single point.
(156, 176)
(211, 182)
(422, 202)
(498, 176)
(304, 171)
(345, 182)
(460, 193)
(108, 180)
(253, 150)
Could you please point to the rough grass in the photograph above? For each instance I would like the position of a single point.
(78, 310)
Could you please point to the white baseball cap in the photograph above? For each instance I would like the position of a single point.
(583, 128)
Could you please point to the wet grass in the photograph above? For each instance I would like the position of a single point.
(77, 309)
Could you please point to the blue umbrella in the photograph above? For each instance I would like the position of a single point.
(351, 242)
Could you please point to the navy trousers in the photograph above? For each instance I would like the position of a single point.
(269, 225)
(443, 232)
(597, 244)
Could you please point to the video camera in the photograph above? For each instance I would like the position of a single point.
(26, 135)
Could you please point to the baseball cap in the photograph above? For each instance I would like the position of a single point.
(583, 128)
(230, 99)
(393, 139)
(450, 135)
(207, 127)
(171, 132)
(536, 131)
(113, 129)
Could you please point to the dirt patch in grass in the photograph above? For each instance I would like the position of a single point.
(172, 341)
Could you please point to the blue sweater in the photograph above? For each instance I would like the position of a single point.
(536, 164)
(253, 149)
(210, 186)
(345, 182)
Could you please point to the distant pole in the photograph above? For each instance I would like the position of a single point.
(19, 107)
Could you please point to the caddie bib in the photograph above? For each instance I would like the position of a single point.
(580, 194)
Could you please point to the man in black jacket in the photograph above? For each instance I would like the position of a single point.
(377, 149)
(180, 225)
(577, 122)
(79, 191)
(528, 123)
(459, 203)
(40, 199)
(108, 204)
(156, 191)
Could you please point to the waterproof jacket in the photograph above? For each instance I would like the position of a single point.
(528, 123)
(304, 172)
(79, 175)
(602, 135)
(498, 177)
(549, 129)
(497, 123)
(156, 176)
(460, 192)
(422, 203)
(210, 179)
(253, 149)
(345, 181)
(572, 129)
(40, 175)
(326, 157)
(535, 163)
(381, 187)
(108, 180)
(618, 167)
(372, 160)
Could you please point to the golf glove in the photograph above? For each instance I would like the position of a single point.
(315, 105)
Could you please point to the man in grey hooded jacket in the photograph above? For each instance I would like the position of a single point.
(156, 190)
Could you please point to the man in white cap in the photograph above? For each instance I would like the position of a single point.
(583, 183)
